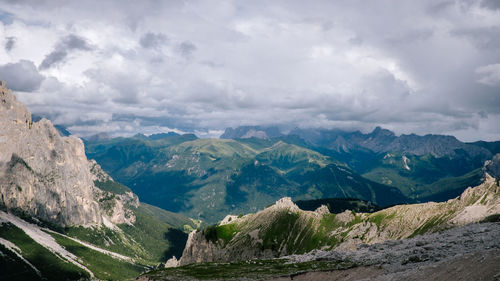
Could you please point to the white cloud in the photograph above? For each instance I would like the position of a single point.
(490, 74)
(195, 66)
(22, 76)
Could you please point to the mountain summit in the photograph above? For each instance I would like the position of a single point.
(245, 132)
(48, 176)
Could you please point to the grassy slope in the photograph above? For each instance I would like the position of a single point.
(50, 266)
(103, 266)
(155, 236)
(448, 187)
(14, 268)
(148, 242)
(428, 178)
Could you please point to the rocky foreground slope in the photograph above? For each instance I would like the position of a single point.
(283, 229)
(469, 252)
(48, 176)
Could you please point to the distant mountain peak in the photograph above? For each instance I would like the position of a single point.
(160, 136)
(98, 137)
(379, 131)
(245, 132)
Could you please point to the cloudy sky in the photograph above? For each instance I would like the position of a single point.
(124, 67)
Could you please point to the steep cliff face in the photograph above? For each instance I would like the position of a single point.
(284, 229)
(46, 175)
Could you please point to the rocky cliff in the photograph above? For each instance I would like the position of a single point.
(284, 229)
(48, 176)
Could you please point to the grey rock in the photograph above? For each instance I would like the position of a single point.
(46, 175)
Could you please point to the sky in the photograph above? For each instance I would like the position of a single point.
(127, 67)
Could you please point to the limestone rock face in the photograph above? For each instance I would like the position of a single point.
(322, 210)
(172, 262)
(199, 249)
(42, 173)
(285, 203)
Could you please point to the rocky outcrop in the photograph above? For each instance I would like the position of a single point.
(492, 166)
(46, 175)
(246, 244)
(284, 229)
(172, 262)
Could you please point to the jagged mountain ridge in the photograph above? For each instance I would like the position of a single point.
(379, 140)
(414, 164)
(284, 229)
(207, 178)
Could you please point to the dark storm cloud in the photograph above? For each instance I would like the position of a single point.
(62, 49)
(186, 48)
(153, 40)
(482, 37)
(21, 76)
(429, 66)
(491, 4)
(9, 44)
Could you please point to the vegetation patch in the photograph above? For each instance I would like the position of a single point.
(152, 239)
(14, 268)
(251, 269)
(226, 232)
(155, 230)
(112, 186)
(210, 233)
(280, 231)
(103, 266)
(16, 160)
(428, 226)
(492, 218)
(380, 218)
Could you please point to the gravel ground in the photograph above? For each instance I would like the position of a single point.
(471, 252)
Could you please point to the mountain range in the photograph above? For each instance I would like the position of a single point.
(78, 210)
(283, 240)
(250, 167)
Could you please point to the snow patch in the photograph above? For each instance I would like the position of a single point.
(405, 162)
